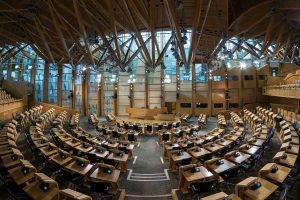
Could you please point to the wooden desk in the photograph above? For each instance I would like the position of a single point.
(49, 150)
(76, 168)
(214, 148)
(19, 175)
(231, 137)
(168, 148)
(60, 160)
(260, 136)
(13, 159)
(84, 147)
(256, 142)
(174, 158)
(35, 191)
(224, 142)
(73, 143)
(252, 150)
(238, 160)
(129, 148)
(68, 194)
(113, 145)
(199, 153)
(191, 177)
(41, 143)
(100, 174)
(36, 136)
(122, 160)
(289, 161)
(221, 195)
(99, 154)
(218, 169)
(263, 192)
(294, 149)
(291, 139)
(279, 176)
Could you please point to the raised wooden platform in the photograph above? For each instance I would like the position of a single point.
(145, 113)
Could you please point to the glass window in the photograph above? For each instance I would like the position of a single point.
(67, 86)
(248, 77)
(78, 89)
(27, 69)
(218, 78)
(233, 105)
(274, 71)
(233, 78)
(185, 105)
(201, 73)
(218, 105)
(93, 92)
(201, 105)
(52, 84)
(39, 80)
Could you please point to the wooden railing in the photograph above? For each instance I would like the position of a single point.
(7, 109)
(288, 91)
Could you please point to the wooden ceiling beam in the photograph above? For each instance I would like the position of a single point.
(164, 50)
(137, 33)
(194, 29)
(83, 31)
(43, 38)
(152, 31)
(58, 28)
(100, 32)
(172, 16)
(114, 27)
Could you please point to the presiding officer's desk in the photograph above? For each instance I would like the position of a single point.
(145, 113)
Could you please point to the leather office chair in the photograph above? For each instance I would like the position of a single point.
(101, 188)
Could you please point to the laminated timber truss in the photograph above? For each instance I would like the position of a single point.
(90, 31)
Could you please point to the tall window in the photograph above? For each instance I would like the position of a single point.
(3, 70)
(52, 84)
(78, 88)
(39, 80)
(201, 73)
(27, 69)
(93, 92)
(67, 86)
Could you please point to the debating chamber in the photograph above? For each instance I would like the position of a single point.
(149, 99)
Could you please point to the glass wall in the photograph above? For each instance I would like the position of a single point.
(93, 92)
(39, 80)
(52, 84)
(78, 88)
(67, 86)
(27, 67)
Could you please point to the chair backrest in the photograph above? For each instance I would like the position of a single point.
(149, 127)
(109, 161)
(123, 149)
(135, 127)
(115, 134)
(131, 137)
(165, 137)
(93, 158)
(205, 186)
(99, 186)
